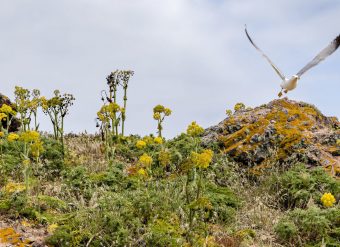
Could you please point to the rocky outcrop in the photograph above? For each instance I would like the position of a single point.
(279, 132)
(15, 124)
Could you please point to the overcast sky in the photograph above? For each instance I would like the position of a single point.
(189, 55)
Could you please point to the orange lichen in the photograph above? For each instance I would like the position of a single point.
(289, 124)
(333, 150)
(11, 237)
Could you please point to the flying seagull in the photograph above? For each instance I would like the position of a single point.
(289, 84)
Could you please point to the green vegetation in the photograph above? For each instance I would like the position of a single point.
(116, 190)
(313, 226)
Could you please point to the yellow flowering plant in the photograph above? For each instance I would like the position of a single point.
(57, 108)
(27, 103)
(194, 167)
(158, 140)
(202, 160)
(194, 129)
(6, 109)
(109, 118)
(143, 166)
(328, 200)
(140, 144)
(142, 172)
(229, 112)
(32, 139)
(148, 140)
(239, 107)
(7, 113)
(107, 115)
(12, 137)
(12, 187)
(114, 80)
(164, 157)
(159, 113)
(112, 115)
(3, 116)
(22, 100)
(37, 149)
(33, 147)
(30, 136)
(145, 160)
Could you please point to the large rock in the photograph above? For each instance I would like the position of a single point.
(279, 132)
(15, 124)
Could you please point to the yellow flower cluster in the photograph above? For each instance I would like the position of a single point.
(12, 137)
(14, 187)
(44, 103)
(239, 106)
(158, 140)
(148, 140)
(108, 112)
(37, 148)
(142, 172)
(167, 112)
(145, 160)
(56, 101)
(34, 104)
(194, 129)
(157, 116)
(328, 200)
(158, 109)
(229, 112)
(30, 136)
(202, 160)
(2, 134)
(6, 109)
(164, 158)
(141, 144)
(3, 116)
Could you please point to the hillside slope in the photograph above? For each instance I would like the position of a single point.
(192, 190)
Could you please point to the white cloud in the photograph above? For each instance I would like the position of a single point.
(192, 56)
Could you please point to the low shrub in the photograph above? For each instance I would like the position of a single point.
(295, 187)
(312, 226)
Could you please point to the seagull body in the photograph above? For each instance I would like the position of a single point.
(290, 84)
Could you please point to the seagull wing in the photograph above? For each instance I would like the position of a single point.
(265, 56)
(328, 50)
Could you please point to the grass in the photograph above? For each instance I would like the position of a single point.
(95, 202)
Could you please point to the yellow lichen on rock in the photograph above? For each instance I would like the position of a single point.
(10, 237)
(280, 130)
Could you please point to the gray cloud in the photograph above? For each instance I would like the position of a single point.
(191, 56)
